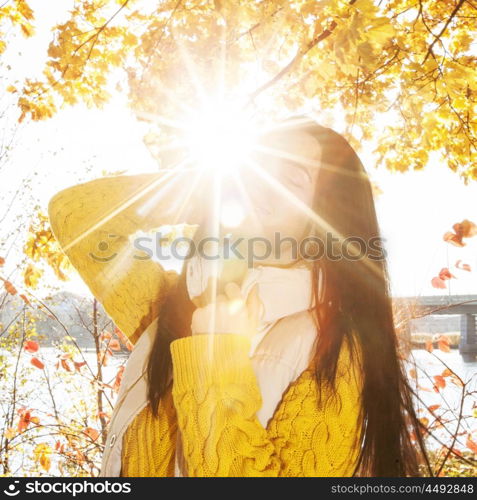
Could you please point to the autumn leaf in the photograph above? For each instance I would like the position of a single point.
(10, 288)
(117, 380)
(32, 275)
(440, 382)
(37, 363)
(26, 419)
(114, 345)
(31, 346)
(65, 365)
(2, 261)
(464, 229)
(25, 299)
(456, 380)
(42, 453)
(78, 365)
(10, 433)
(429, 345)
(464, 267)
(471, 444)
(437, 282)
(445, 274)
(433, 408)
(424, 421)
(443, 343)
(91, 433)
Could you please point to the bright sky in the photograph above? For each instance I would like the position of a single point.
(415, 210)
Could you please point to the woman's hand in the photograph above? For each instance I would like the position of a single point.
(229, 314)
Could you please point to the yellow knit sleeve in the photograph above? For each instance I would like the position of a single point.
(216, 396)
(94, 223)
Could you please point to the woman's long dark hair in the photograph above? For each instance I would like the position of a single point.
(356, 299)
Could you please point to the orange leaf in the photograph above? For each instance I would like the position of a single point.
(471, 444)
(10, 433)
(65, 365)
(447, 373)
(117, 380)
(31, 346)
(10, 288)
(2, 261)
(464, 267)
(106, 335)
(445, 274)
(25, 299)
(424, 421)
(91, 433)
(433, 407)
(412, 373)
(79, 364)
(457, 381)
(37, 363)
(440, 381)
(114, 345)
(443, 343)
(468, 228)
(437, 282)
(429, 346)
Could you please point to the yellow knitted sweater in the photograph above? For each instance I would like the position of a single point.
(213, 401)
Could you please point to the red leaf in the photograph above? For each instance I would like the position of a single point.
(119, 376)
(114, 345)
(65, 365)
(464, 229)
(445, 274)
(467, 227)
(464, 267)
(438, 283)
(440, 381)
(25, 299)
(443, 343)
(471, 444)
(37, 363)
(31, 346)
(79, 364)
(91, 433)
(10, 288)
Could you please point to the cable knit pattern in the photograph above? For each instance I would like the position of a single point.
(216, 398)
(97, 219)
(149, 443)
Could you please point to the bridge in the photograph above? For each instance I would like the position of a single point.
(464, 305)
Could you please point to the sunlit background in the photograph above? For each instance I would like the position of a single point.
(415, 209)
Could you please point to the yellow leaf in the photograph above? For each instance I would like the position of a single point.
(42, 454)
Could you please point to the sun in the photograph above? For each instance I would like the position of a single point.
(219, 137)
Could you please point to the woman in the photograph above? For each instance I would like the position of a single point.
(288, 368)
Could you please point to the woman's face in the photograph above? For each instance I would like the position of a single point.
(274, 194)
